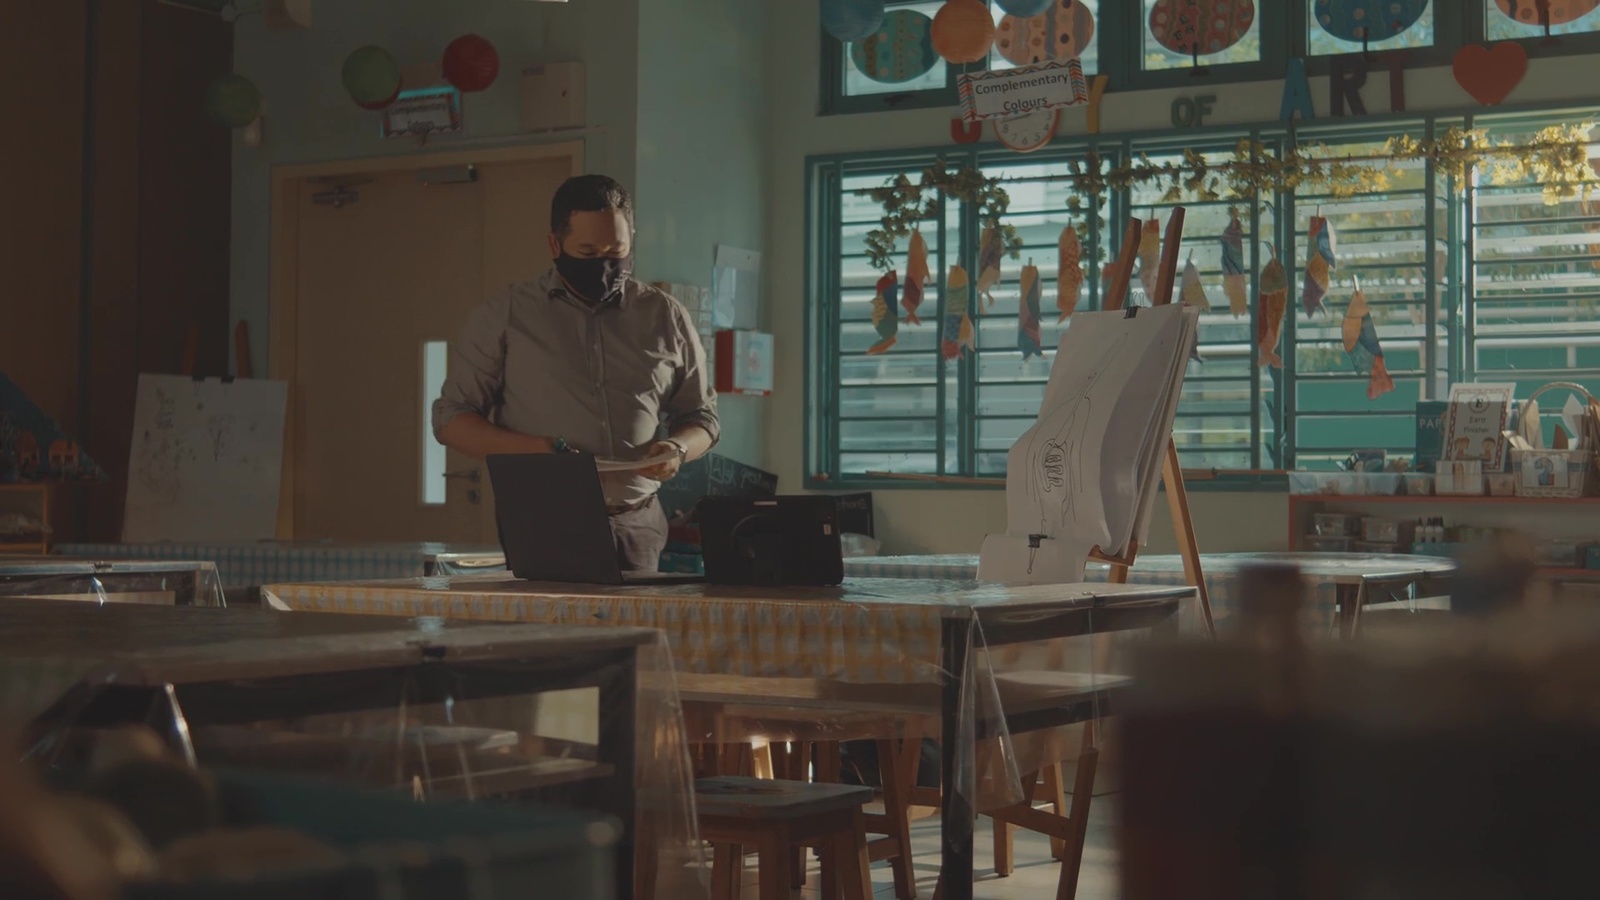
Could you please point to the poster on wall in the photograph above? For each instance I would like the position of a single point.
(735, 288)
(1475, 423)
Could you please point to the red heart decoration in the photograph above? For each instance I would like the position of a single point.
(964, 132)
(1490, 73)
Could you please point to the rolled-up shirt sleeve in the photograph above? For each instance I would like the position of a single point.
(694, 400)
(475, 375)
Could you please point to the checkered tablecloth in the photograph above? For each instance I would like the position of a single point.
(884, 631)
(252, 564)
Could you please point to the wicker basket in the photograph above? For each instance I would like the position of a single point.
(1555, 474)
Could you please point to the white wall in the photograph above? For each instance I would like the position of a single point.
(918, 521)
(702, 156)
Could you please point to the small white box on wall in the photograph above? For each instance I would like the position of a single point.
(554, 97)
(744, 363)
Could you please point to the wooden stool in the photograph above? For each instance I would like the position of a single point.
(776, 816)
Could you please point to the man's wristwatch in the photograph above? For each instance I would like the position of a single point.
(683, 452)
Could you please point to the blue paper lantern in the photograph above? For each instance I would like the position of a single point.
(900, 50)
(851, 20)
(1367, 21)
(1024, 9)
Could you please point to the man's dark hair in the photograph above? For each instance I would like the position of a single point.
(587, 193)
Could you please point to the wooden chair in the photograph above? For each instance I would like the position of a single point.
(775, 817)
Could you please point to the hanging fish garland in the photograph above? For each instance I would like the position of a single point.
(917, 277)
(886, 313)
(1028, 336)
(1274, 300)
(1361, 342)
(1150, 258)
(958, 330)
(1069, 272)
(1233, 278)
(1319, 262)
(990, 251)
(1193, 293)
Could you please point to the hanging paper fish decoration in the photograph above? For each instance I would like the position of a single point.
(1193, 292)
(958, 330)
(1274, 300)
(990, 250)
(1361, 342)
(1028, 338)
(1069, 272)
(886, 313)
(1233, 278)
(1319, 262)
(917, 277)
(1150, 259)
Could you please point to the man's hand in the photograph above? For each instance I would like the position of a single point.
(663, 471)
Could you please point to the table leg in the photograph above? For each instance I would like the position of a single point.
(1349, 598)
(955, 801)
(619, 703)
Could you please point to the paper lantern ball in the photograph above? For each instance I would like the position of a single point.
(1561, 11)
(470, 63)
(1024, 9)
(233, 101)
(1062, 32)
(372, 77)
(963, 31)
(851, 20)
(1201, 27)
(899, 51)
(1363, 21)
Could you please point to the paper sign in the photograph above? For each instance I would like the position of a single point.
(1474, 422)
(735, 288)
(1016, 92)
(422, 112)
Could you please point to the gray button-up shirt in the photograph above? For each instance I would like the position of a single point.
(540, 361)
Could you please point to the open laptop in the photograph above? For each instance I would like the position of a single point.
(552, 519)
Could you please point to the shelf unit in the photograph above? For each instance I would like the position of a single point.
(14, 498)
(1408, 506)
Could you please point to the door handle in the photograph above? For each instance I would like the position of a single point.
(469, 474)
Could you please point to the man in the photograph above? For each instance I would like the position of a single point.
(586, 358)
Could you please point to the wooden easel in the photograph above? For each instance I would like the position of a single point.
(1172, 469)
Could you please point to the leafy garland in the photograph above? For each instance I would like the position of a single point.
(1557, 158)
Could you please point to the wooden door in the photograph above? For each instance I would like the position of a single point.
(385, 278)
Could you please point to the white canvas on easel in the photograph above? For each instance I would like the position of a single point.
(206, 459)
(1086, 473)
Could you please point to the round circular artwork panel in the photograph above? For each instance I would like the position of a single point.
(1201, 27)
(1059, 33)
(1367, 20)
(1561, 11)
(900, 50)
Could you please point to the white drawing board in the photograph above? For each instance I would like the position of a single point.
(206, 460)
(1086, 473)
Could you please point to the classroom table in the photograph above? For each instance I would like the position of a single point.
(845, 643)
(163, 583)
(246, 565)
(261, 689)
(1338, 584)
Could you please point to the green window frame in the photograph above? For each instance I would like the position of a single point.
(1462, 286)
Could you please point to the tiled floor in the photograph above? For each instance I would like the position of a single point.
(1035, 876)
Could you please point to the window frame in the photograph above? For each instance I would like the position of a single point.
(1449, 336)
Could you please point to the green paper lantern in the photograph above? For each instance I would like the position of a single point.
(372, 77)
(233, 101)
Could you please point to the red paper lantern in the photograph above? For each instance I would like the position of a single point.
(471, 63)
(963, 31)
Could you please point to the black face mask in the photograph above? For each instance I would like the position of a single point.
(595, 279)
